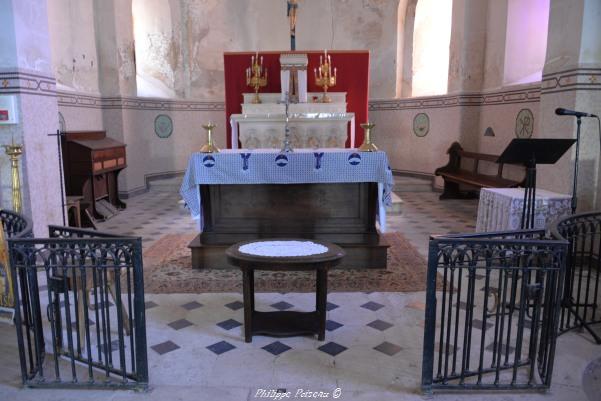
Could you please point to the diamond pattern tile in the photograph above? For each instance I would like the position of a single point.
(114, 346)
(192, 305)
(150, 304)
(332, 325)
(180, 324)
(282, 305)
(372, 306)
(235, 305)
(221, 347)
(276, 348)
(380, 325)
(387, 348)
(331, 306)
(165, 347)
(332, 348)
(490, 347)
(479, 324)
(229, 324)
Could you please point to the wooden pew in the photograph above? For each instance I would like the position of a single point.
(462, 182)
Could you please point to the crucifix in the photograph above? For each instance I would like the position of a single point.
(291, 13)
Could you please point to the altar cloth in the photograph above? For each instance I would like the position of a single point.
(303, 166)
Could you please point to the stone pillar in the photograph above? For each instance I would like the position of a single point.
(26, 71)
(572, 79)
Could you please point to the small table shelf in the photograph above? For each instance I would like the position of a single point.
(285, 323)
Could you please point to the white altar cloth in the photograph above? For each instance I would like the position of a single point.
(500, 209)
(303, 166)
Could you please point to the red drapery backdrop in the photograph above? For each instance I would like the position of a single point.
(353, 78)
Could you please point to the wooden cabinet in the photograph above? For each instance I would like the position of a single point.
(92, 163)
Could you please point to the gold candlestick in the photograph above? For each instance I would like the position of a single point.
(367, 145)
(324, 76)
(14, 151)
(209, 147)
(256, 76)
(7, 299)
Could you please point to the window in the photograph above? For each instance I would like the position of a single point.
(431, 40)
(525, 40)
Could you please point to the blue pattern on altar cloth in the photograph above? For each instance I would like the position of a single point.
(303, 166)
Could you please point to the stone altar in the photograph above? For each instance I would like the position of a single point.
(312, 125)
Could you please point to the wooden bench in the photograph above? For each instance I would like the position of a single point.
(457, 178)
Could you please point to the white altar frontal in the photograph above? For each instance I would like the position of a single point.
(312, 124)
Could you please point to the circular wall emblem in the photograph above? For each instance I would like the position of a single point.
(421, 124)
(208, 161)
(163, 126)
(354, 159)
(62, 125)
(281, 160)
(524, 124)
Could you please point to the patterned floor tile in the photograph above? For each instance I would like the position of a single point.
(282, 305)
(221, 347)
(235, 305)
(332, 348)
(372, 306)
(387, 348)
(276, 348)
(165, 347)
(331, 306)
(380, 325)
(229, 324)
(150, 304)
(180, 324)
(331, 325)
(192, 305)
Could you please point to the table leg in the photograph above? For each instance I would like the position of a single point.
(320, 302)
(249, 296)
(252, 289)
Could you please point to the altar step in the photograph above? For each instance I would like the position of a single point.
(396, 209)
(404, 183)
(171, 184)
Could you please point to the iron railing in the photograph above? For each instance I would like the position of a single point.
(93, 333)
(492, 307)
(582, 295)
(15, 225)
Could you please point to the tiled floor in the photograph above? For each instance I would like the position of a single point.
(373, 345)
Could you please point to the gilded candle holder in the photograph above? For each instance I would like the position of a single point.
(209, 147)
(368, 145)
(14, 151)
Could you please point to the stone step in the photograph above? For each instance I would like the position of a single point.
(396, 209)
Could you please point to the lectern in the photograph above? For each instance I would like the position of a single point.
(531, 152)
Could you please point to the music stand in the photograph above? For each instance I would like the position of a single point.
(531, 152)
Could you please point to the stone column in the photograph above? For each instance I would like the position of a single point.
(572, 79)
(26, 71)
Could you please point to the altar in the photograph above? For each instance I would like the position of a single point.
(336, 195)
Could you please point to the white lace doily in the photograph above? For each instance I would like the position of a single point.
(283, 248)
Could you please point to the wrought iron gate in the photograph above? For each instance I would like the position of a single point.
(492, 308)
(582, 292)
(93, 332)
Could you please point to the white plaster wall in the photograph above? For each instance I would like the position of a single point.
(73, 43)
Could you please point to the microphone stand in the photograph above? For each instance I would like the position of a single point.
(575, 183)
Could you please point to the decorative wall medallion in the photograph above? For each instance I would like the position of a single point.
(524, 124)
(163, 126)
(421, 124)
(62, 125)
(489, 132)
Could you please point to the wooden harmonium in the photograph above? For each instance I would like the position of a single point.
(92, 162)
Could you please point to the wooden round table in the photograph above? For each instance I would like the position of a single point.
(284, 323)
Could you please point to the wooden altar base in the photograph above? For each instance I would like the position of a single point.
(360, 255)
(341, 213)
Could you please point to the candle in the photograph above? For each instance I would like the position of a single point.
(326, 52)
(334, 71)
(320, 60)
(252, 60)
(261, 60)
(329, 60)
(315, 72)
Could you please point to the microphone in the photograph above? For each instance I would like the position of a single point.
(560, 111)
